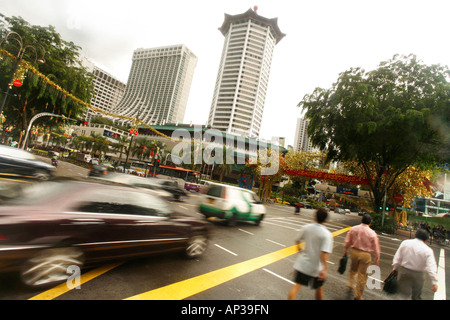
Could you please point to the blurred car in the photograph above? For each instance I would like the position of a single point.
(347, 211)
(21, 163)
(307, 205)
(192, 186)
(57, 224)
(136, 181)
(339, 210)
(232, 204)
(170, 186)
(204, 186)
(362, 212)
(98, 170)
(443, 215)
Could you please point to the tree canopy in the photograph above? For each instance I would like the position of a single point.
(62, 66)
(385, 120)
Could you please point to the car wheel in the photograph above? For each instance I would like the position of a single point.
(260, 218)
(196, 246)
(50, 266)
(41, 175)
(232, 222)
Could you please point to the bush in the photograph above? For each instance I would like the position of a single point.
(389, 223)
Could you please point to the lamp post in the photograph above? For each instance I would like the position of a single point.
(22, 49)
(42, 114)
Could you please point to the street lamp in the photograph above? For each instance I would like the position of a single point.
(22, 49)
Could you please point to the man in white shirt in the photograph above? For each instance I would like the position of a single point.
(415, 259)
(311, 264)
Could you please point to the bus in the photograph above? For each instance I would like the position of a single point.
(186, 178)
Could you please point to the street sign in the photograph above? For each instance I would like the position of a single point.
(398, 197)
(17, 83)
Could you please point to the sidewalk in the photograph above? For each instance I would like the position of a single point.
(410, 234)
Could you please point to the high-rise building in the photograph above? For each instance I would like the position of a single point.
(158, 85)
(107, 89)
(301, 139)
(242, 80)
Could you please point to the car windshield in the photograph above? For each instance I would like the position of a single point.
(120, 201)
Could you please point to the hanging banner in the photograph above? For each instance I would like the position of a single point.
(327, 176)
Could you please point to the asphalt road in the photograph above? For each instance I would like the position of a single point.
(245, 263)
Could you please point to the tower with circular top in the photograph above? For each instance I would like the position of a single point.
(243, 76)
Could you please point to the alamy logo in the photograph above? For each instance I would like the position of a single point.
(73, 282)
(212, 148)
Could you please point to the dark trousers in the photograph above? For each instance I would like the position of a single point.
(410, 283)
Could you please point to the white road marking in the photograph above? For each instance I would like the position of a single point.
(231, 252)
(278, 225)
(246, 232)
(276, 242)
(278, 276)
(441, 294)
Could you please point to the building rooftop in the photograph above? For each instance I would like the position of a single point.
(251, 14)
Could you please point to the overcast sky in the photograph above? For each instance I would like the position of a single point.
(323, 38)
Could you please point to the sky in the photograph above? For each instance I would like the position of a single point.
(323, 38)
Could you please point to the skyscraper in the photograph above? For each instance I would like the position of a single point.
(158, 85)
(242, 80)
(108, 91)
(301, 139)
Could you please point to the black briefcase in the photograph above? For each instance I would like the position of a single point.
(343, 264)
(390, 284)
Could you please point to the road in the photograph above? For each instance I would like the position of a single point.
(246, 263)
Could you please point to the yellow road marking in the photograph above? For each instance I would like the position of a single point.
(63, 287)
(16, 180)
(186, 288)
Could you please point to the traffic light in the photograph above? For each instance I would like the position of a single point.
(135, 132)
(156, 163)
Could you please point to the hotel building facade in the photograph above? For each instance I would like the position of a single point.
(108, 90)
(158, 85)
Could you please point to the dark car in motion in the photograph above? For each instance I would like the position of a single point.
(170, 186)
(20, 163)
(58, 224)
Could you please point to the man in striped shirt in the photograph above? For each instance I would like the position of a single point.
(363, 241)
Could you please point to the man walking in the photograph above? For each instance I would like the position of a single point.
(311, 264)
(363, 242)
(412, 260)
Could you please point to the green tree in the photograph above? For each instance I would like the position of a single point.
(121, 145)
(100, 144)
(386, 120)
(62, 66)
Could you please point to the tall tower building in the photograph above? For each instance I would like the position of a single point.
(301, 139)
(158, 85)
(242, 80)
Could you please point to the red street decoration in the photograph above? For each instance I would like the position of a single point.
(398, 197)
(327, 176)
(17, 83)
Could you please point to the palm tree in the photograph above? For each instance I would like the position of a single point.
(123, 142)
(100, 144)
(224, 168)
(139, 147)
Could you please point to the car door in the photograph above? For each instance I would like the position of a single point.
(130, 223)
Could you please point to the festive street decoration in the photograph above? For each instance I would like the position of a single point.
(25, 67)
(327, 176)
